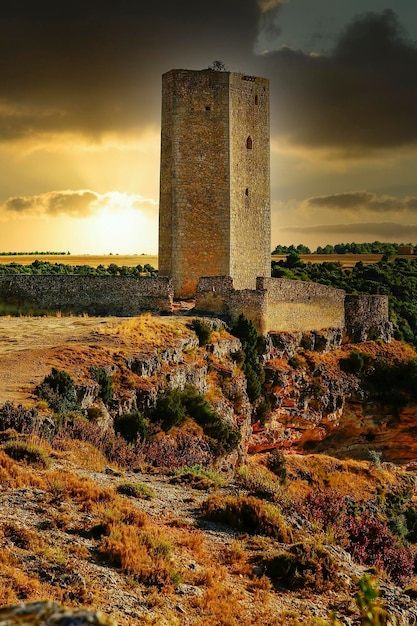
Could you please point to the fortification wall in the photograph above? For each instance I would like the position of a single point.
(367, 318)
(95, 295)
(293, 305)
(276, 304)
(322, 316)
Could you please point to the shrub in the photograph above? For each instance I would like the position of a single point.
(29, 453)
(170, 408)
(199, 477)
(259, 482)
(174, 452)
(173, 406)
(136, 490)
(246, 332)
(106, 383)
(372, 543)
(248, 514)
(355, 362)
(16, 417)
(132, 550)
(304, 566)
(58, 389)
(131, 426)
(202, 330)
(327, 508)
(111, 444)
(277, 464)
(375, 457)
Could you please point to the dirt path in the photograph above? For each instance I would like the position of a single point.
(30, 347)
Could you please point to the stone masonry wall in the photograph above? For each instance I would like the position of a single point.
(95, 295)
(276, 305)
(214, 213)
(297, 305)
(250, 218)
(367, 318)
(194, 226)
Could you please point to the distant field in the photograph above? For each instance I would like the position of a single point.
(85, 259)
(347, 260)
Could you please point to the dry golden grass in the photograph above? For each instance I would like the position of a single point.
(14, 476)
(358, 479)
(146, 330)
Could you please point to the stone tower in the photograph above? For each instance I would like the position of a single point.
(214, 212)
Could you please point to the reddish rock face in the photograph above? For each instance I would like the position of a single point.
(317, 406)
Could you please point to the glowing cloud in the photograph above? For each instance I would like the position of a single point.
(80, 203)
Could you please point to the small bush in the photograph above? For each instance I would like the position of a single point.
(58, 389)
(16, 417)
(304, 566)
(277, 464)
(259, 482)
(372, 543)
(26, 452)
(177, 451)
(202, 330)
(199, 477)
(355, 362)
(174, 406)
(136, 490)
(133, 551)
(170, 408)
(248, 514)
(106, 383)
(131, 426)
(375, 457)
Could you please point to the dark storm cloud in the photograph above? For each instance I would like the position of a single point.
(363, 200)
(361, 96)
(93, 67)
(386, 231)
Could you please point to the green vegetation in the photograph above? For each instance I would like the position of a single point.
(202, 330)
(58, 390)
(132, 426)
(106, 383)
(29, 453)
(136, 490)
(199, 477)
(248, 514)
(251, 366)
(45, 267)
(174, 406)
(397, 279)
(374, 247)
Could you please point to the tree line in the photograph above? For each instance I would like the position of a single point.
(374, 247)
(45, 267)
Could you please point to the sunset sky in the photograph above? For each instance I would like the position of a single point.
(80, 115)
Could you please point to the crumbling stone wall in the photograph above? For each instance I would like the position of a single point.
(95, 295)
(367, 318)
(321, 315)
